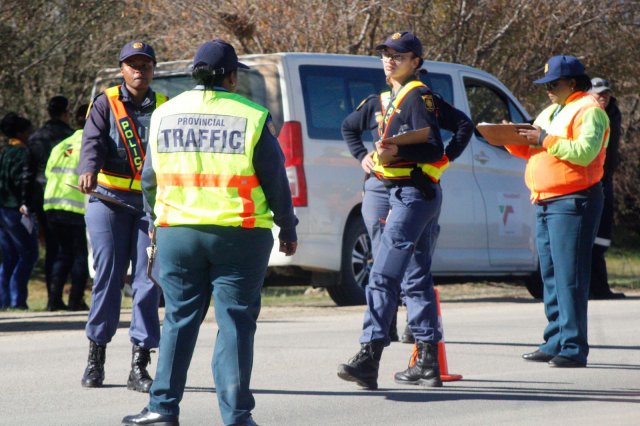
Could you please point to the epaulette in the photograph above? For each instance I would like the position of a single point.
(91, 103)
(365, 100)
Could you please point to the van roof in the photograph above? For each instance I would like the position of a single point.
(184, 65)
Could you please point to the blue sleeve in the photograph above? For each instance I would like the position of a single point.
(149, 186)
(355, 124)
(455, 121)
(420, 117)
(95, 136)
(268, 162)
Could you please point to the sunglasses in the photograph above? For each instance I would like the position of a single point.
(395, 58)
(551, 85)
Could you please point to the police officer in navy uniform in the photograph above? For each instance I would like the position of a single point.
(410, 174)
(375, 206)
(215, 183)
(113, 148)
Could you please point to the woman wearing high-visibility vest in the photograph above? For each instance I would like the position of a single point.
(411, 174)
(215, 183)
(564, 168)
(114, 141)
(64, 209)
(375, 205)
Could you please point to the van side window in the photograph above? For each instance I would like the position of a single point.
(485, 104)
(331, 93)
(488, 104)
(440, 84)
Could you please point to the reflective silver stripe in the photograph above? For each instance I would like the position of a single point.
(602, 242)
(64, 202)
(64, 170)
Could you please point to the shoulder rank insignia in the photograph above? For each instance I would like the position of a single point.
(428, 101)
(271, 127)
(364, 101)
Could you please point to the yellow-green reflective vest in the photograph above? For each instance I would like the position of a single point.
(61, 170)
(401, 170)
(202, 145)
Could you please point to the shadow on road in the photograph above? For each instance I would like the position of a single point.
(20, 325)
(461, 392)
(534, 345)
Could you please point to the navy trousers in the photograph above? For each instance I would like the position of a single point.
(119, 236)
(566, 229)
(402, 261)
(196, 260)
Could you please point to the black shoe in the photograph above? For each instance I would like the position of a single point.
(537, 356)
(607, 296)
(563, 362)
(78, 306)
(94, 373)
(57, 305)
(139, 378)
(146, 417)
(423, 367)
(407, 335)
(363, 367)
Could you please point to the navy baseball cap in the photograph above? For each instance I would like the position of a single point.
(403, 42)
(600, 85)
(561, 66)
(137, 47)
(219, 55)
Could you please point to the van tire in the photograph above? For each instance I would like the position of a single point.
(356, 264)
(534, 285)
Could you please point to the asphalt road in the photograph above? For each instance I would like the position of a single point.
(42, 357)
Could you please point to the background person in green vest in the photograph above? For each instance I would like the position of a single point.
(64, 208)
(215, 183)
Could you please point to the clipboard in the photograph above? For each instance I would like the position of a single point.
(409, 138)
(504, 134)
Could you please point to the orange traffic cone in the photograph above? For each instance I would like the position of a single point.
(442, 353)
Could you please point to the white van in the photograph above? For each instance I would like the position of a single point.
(487, 222)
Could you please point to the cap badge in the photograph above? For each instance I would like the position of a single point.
(546, 68)
(137, 45)
(396, 36)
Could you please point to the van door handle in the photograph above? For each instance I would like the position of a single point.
(481, 158)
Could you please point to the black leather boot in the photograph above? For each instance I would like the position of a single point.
(94, 373)
(363, 367)
(139, 379)
(423, 368)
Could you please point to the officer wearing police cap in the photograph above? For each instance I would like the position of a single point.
(565, 161)
(114, 142)
(410, 206)
(215, 183)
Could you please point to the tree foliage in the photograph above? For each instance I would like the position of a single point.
(56, 46)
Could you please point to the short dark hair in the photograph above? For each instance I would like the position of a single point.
(583, 83)
(57, 106)
(12, 124)
(81, 114)
(205, 75)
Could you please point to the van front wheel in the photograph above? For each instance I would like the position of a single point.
(357, 259)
